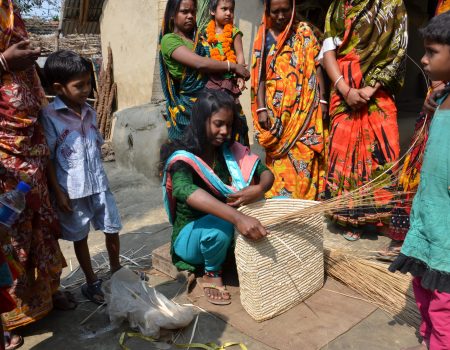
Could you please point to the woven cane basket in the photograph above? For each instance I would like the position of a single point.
(284, 268)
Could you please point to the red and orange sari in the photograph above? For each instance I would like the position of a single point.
(370, 39)
(32, 242)
(295, 143)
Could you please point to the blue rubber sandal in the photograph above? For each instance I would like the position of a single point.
(93, 292)
(351, 237)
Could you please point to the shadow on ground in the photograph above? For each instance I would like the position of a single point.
(63, 329)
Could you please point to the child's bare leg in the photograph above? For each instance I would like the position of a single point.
(113, 246)
(84, 258)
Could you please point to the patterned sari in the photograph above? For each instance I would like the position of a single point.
(443, 6)
(370, 37)
(295, 143)
(33, 241)
(180, 95)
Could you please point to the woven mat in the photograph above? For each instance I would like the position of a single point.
(308, 326)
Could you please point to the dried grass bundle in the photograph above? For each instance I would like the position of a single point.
(392, 292)
(105, 98)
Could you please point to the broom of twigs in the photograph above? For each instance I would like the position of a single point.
(105, 98)
(362, 197)
(391, 292)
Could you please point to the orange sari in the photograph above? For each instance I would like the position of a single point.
(295, 143)
(443, 6)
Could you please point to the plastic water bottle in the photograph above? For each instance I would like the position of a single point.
(12, 203)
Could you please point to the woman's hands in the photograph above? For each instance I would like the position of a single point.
(358, 98)
(264, 120)
(354, 99)
(241, 84)
(248, 195)
(205, 202)
(250, 227)
(20, 56)
(240, 70)
(367, 92)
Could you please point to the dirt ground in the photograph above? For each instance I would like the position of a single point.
(146, 228)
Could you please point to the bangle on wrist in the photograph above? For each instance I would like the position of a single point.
(338, 80)
(229, 66)
(3, 62)
(261, 109)
(323, 102)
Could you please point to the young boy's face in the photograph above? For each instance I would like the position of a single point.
(76, 91)
(224, 13)
(436, 61)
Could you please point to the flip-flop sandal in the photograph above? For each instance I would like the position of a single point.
(93, 292)
(8, 338)
(221, 289)
(64, 300)
(352, 237)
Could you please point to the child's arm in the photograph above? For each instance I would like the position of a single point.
(62, 199)
(239, 49)
(240, 59)
(51, 136)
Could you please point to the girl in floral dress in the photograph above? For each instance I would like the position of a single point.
(225, 44)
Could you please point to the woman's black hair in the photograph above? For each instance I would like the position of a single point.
(194, 139)
(63, 65)
(172, 7)
(268, 3)
(214, 3)
(438, 29)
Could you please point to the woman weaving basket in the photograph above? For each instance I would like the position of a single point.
(206, 175)
(364, 55)
(183, 63)
(286, 105)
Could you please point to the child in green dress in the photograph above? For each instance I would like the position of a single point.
(426, 251)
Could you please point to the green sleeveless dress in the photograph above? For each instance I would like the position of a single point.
(426, 250)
